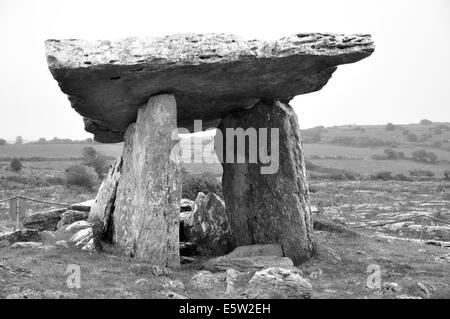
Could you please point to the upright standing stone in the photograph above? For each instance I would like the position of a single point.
(272, 207)
(149, 192)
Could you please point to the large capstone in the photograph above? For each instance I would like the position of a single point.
(264, 179)
(209, 74)
(148, 194)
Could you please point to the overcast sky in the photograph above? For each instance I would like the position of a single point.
(405, 80)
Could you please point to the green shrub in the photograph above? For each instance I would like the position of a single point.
(383, 175)
(97, 161)
(447, 175)
(16, 165)
(390, 127)
(424, 156)
(193, 184)
(411, 137)
(79, 175)
(3, 142)
(421, 173)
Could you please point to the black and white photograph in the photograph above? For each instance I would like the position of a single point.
(224, 155)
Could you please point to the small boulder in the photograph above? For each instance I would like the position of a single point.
(27, 244)
(244, 264)
(257, 250)
(207, 226)
(44, 221)
(390, 288)
(62, 244)
(72, 216)
(237, 281)
(83, 206)
(278, 283)
(20, 236)
(206, 280)
(81, 238)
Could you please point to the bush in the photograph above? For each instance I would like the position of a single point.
(447, 175)
(3, 142)
(312, 135)
(205, 183)
(394, 155)
(411, 137)
(401, 177)
(16, 165)
(421, 173)
(97, 161)
(424, 156)
(390, 127)
(79, 175)
(383, 175)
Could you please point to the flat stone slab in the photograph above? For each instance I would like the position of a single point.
(209, 74)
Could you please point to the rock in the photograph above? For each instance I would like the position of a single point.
(83, 206)
(71, 216)
(237, 281)
(55, 294)
(174, 284)
(103, 206)
(244, 264)
(147, 204)
(145, 269)
(81, 238)
(62, 244)
(407, 297)
(142, 282)
(27, 244)
(257, 250)
(47, 236)
(443, 259)
(173, 295)
(77, 226)
(212, 74)
(334, 227)
(208, 226)
(426, 288)
(390, 288)
(278, 283)
(20, 236)
(207, 280)
(89, 246)
(45, 220)
(267, 202)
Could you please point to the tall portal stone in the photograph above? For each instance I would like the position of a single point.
(272, 207)
(149, 191)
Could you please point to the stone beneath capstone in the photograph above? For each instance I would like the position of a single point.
(267, 202)
(207, 226)
(210, 74)
(147, 204)
(103, 206)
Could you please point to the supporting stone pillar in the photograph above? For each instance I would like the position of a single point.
(272, 207)
(148, 196)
